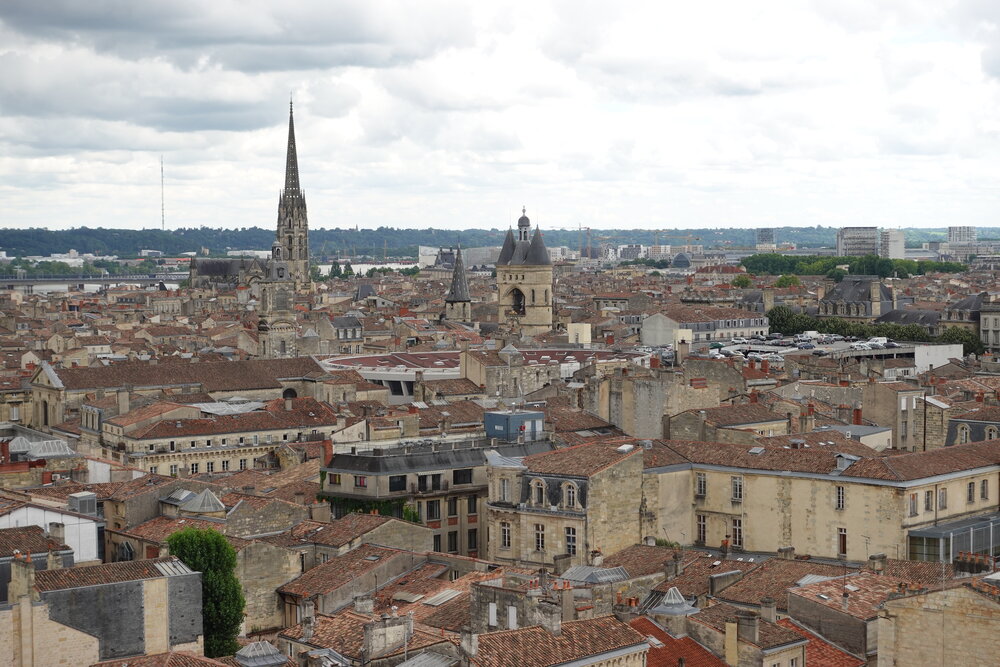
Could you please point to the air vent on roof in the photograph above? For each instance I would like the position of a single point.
(373, 558)
(625, 449)
(823, 597)
(757, 450)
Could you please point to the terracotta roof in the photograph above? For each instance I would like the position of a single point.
(171, 659)
(773, 578)
(735, 415)
(334, 533)
(160, 528)
(579, 460)
(537, 647)
(694, 654)
(917, 465)
(693, 581)
(641, 560)
(770, 635)
(95, 575)
(27, 540)
(821, 652)
(344, 633)
(870, 591)
(338, 571)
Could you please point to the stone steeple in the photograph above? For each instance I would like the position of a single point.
(293, 222)
(458, 303)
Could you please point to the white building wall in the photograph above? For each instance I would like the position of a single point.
(80, 531)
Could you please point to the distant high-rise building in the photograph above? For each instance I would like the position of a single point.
(857, 241)
(892, 244)
(961, 235)
(764, 239)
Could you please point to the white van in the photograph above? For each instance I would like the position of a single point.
(881, 340)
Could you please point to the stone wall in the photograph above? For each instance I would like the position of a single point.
(262, 568)
(29, 637)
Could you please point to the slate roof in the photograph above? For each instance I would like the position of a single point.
(459, 290)
(855, 289)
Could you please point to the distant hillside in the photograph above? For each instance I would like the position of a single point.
(397, 242)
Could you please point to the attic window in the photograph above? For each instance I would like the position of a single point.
(373, 558)
(757, 450)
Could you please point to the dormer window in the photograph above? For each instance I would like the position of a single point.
(538, 492)
(569, 495)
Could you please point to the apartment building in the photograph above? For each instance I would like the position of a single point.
(923, 505)
(559, 506)
(440, 485)
(697, 324)
(857, 241)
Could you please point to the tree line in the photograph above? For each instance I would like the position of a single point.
(869, 265)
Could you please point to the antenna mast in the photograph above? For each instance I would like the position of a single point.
(163, 210)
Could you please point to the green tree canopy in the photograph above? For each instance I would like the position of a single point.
(222, 602)
(335, 271)
(741, 281)
(968, 338)
(348, 270)
(787, 281)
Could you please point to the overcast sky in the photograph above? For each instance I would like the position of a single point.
(454, 114)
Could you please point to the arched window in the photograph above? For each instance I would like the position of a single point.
(517, 301)
(991, 433)
(538, 492)
(532, 296)
(569, 494)
(289, 393)
(963, 434)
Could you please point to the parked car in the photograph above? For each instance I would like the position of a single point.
(775, 336)
(892, 345)
(820, 353)
(806, 346)
(739, 340)
(860, 346)
(716, 346)
(876, 346)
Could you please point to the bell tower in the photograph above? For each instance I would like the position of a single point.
(293, 223)
(524, 279)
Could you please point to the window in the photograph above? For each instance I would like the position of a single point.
(256, 439)
(504, 490)
(173, 446)
(152, 470)
(913, 504)
(902, 429)
(243, 466)
(471, 509)
(437, 543)
(225, 465)
(984, 489)
(963, 434)
(462, 476)
(539, 537)
(397, 482)
(194, 468)
(737, 484)
(539, 491)
(842, 541)
(511, 617)
(991, 433)
(433, 510)
(361, 481)
(928, 501)
(569, 495)
(473, 539)
(210, 466)
(453, 506)
(504, 535)
(701, 526)
(793, 662)
(452, 541)
(173, 470)
(840, 498)
(970, 492)
(492, 612)
(737, 533)
(571, 541)
(942, 499)
(700, 485)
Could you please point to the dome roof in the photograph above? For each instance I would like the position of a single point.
(523, 221)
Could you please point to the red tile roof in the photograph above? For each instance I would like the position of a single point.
(537, 647)
(694, 654)
(580, 460)
(819, 651)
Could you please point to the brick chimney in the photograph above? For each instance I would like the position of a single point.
(857, 420)
(748, 626)
(877, 562)
(22, 578)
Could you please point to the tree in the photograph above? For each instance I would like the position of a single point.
(348, 270)
(836, 275)
(314, 274)
(335, 270)
(742, 281)
(970, 342)
(222, 602)
(779, 318)
(787, 281)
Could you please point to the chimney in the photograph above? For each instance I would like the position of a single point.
(877, 562)
(57, 532)
(22, 578)
(596, 558)
(650, 541)
(857, 420)
(288, 404)
(124, 399)
(702, 425)
(769, 610)
(732, 642)
(308, 620)
(787, 553)
(566, 601)
(748, 626)
(765, 366)
(469, 642)
(364, 604)
(300, 498)
(672, 567)
(753, 393)
(550, 617)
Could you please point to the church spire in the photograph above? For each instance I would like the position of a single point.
(292, 159)
(459, 283)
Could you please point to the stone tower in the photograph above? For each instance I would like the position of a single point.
(458, 303)
(276, 328)
(524, 279)
(293, 223)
